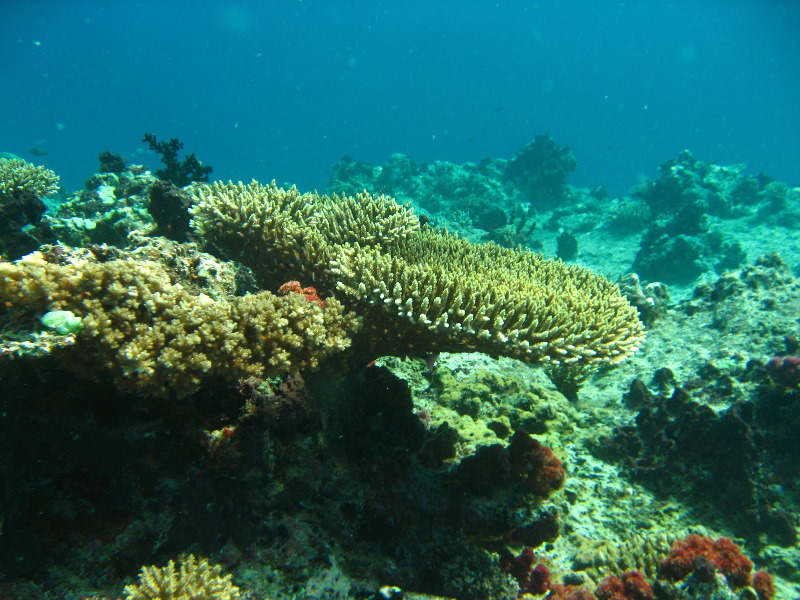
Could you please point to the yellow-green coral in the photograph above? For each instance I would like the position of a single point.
(155, 337)
(421, 289)
(20, 177)
(455, 295)
(191, 578)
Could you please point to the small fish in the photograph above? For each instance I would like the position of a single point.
(38, 148)
(428, 360)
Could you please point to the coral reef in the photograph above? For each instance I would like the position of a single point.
(651, 300)
(190, 579)
(638, 552)
(366, 476)
(684, 199)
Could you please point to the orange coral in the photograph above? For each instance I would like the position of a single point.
(294, 287)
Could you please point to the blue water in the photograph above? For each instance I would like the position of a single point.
(283, 89)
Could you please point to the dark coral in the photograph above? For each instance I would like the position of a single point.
(674, 259)
(685, 181)
(378, 426)
(679, 246)
(727, 461)
(409, 508)
(566, 246)
(179, 172)
(525, 464)
(170, 210)
(485, 470)
(111, 163)
(540, 170)
(20, 211)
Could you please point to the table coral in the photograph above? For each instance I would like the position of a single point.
(433, 291)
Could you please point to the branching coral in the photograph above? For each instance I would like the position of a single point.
(191, 578)
(156, 337)
(20, 177)
(423, 290)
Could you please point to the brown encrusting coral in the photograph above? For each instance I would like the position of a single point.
(156, 337)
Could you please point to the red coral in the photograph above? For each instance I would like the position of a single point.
(537, 466)
(764, 585)
(726, 556)
(294, 287)
(531, 580)
(679, 563)
(785, 371)
(730, 559)
(631, 585)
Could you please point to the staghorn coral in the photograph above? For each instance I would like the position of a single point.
(191, 578)
(420, 289)
(18, 177)
(156, 337)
